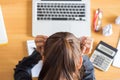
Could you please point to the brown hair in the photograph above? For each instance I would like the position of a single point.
(61, 57)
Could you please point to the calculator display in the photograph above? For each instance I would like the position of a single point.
(106, 50)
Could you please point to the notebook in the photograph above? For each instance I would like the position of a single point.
(37, 68)
(116, 61)
(3, 34)
(50, 16)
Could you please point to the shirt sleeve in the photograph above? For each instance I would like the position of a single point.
(87, 69)
(22, 70)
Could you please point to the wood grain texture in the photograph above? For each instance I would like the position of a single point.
(18, 21)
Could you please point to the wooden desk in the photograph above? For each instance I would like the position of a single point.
(17, 17)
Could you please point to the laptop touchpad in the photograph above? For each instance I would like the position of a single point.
(60, 26)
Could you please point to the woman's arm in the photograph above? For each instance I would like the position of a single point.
(87, 69)
(23, 68)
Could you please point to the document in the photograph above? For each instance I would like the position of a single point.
(37, 68)
(3, 35)
(116, 61)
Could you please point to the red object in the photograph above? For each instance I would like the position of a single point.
(97, 20)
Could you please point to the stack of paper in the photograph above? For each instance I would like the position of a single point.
(3, 35)
(116, 61)
(37, 68)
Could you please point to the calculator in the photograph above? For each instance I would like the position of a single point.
(103, 56)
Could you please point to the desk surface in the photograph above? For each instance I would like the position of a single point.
(17, 17)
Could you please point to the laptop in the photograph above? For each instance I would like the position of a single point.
(51, 16)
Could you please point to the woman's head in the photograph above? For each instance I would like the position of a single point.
(62, 57)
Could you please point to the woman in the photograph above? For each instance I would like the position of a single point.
(62, 55)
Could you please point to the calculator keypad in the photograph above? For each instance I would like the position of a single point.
(100, 60)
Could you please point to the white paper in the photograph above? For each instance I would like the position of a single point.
(116, 61)
(37, 68)
(3, 34)
(117, 20)
(107, 30)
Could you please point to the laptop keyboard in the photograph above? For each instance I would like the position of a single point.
(61, 11)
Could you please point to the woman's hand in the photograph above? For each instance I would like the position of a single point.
(86, 44)
(40, 42)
